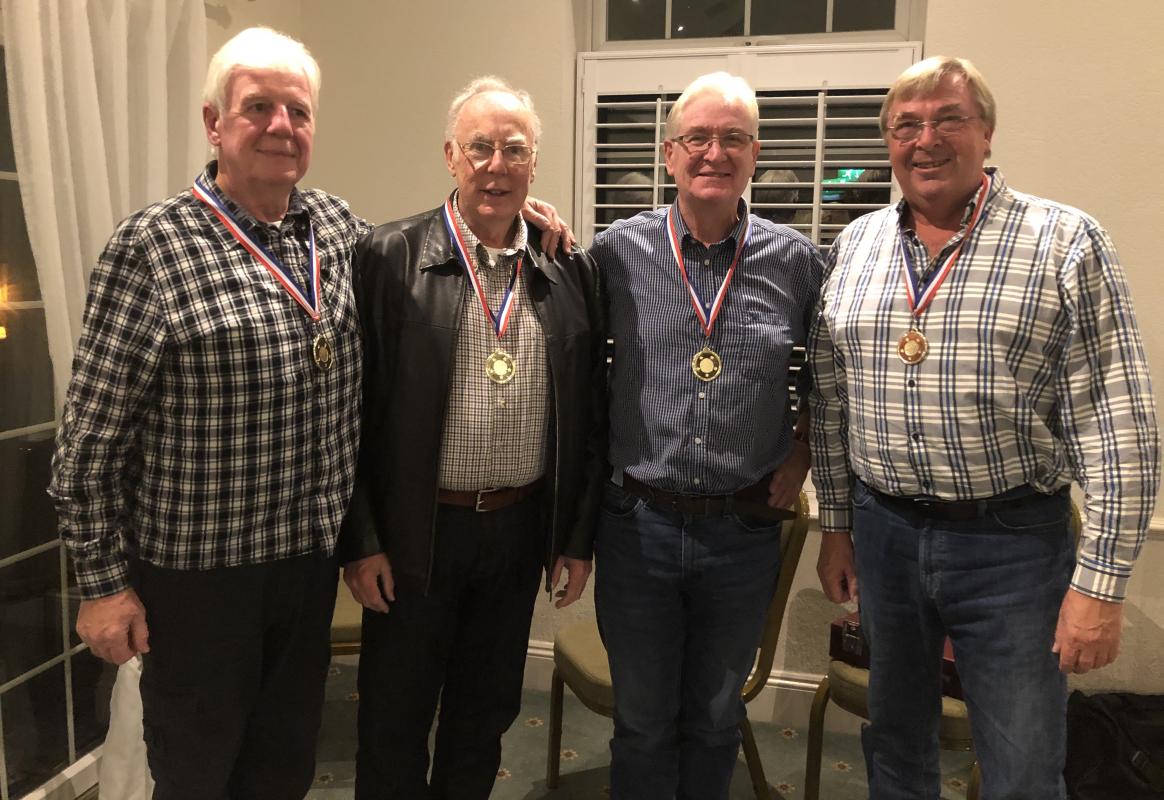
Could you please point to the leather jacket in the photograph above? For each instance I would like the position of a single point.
(409, 289)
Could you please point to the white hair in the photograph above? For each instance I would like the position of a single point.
(259, 48)
(732, 88)
(484, 85)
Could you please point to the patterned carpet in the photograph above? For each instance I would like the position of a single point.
(585, 754)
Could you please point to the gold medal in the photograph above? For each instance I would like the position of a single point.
(322, 353)
(912, 347)
(706, 364)
(499, 367)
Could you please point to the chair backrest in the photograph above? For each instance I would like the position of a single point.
(791, 544)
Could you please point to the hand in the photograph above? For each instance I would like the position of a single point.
(370, 582)
(577, 573)
(788, 478)
(554, 230)
(838, 575)
(1088, 634)
(114, 627)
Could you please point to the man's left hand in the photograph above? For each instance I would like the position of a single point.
(1088, 634)
(554, 230)
(787, 480)
(577, 573)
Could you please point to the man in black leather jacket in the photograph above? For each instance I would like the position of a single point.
(480, 461)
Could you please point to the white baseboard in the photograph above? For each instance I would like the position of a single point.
(69, 784)
(785, 700)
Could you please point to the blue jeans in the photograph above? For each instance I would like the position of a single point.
(994, 586)
(680, 602)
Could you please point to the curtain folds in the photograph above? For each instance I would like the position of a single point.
(104, 98)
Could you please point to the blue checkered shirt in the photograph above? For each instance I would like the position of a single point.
(1036, 375)
(669, 429)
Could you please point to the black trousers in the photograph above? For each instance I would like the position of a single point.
(463, 642)
(232, 688)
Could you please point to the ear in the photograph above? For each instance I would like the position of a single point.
(989, 137)
(533, 167)
(210, 120)
(449, 159)
(668, 151)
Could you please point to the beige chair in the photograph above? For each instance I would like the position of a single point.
(345, 623)
(580, 662)
(848, 687)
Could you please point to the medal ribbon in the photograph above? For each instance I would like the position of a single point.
(706, 320)
(919, 303)
(500, 320)
(309, 300)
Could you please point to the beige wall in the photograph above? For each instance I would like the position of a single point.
(1078, 79)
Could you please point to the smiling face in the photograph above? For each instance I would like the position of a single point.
(265, 133)
(491, 196)
(715, 178)
(938, 170)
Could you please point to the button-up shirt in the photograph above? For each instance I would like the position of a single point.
(197, 430)
(1035, 374)
(495, 434)
(668, 428)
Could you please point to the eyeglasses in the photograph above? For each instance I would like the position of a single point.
(697, 143)
(481, 153)
(910, 129)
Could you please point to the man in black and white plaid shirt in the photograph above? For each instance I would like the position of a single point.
(207, 447)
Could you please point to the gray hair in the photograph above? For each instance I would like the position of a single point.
(484, 85)
(259, 48)
(925, 76)
(732, 88)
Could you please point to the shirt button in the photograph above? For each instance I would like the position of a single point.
(702, 395)
(698, 440)
(911, 383)
(696, 481)
(917, 437)
(501, 402)
(707, 262)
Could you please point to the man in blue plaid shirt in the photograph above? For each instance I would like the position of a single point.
(976, 352)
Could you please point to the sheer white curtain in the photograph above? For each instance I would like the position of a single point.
(104, 98)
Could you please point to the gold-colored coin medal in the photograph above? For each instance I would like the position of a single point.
(706, 364)
(499, 367)
(912, 347)
(322, 352)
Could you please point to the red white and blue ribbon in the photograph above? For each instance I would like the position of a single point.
(308, 299)
(920, 301)
(706, 318)
(500, 320)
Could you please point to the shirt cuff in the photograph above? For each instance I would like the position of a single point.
(836, 518)
(1100, 584)
(102, 577)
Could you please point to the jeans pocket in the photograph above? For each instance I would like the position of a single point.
(860, 496)
(619, 503)
(753, 523)
(1039, 516)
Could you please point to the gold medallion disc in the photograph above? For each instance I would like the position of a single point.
(706, 364)
(322, 353)
(912, 347)
(499, 367)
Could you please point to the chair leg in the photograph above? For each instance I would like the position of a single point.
(815, 742)
(975, 782)
(554, 754)
(752, 757)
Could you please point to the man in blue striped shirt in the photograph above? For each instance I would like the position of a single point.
(705, 305)
(976, 352)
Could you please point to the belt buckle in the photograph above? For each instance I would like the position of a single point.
(481, 493)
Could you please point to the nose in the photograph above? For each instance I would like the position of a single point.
(280, 122)
(496, 163)
(715, 151)
(929, 136)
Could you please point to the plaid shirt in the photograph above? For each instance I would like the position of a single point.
(1036, 375)
(495, 434)
(668, 428)
(197, 430)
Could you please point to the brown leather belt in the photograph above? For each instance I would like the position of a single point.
(963, 510)
(752, 500)
(488, 499)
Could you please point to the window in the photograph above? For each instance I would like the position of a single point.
(754, 21)
(822, 160)
(54, 695)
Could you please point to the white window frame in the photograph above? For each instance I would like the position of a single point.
(909, 17)
(803, 67)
